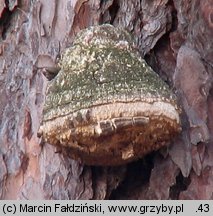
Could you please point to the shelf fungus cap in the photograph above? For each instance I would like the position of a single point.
(107, 106)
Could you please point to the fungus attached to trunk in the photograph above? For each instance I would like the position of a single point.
(107, 106)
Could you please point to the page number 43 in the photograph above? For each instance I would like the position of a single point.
(203, 208)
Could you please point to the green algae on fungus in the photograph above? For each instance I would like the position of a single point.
(107, 106)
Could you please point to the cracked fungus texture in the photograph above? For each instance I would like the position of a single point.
(107, 106)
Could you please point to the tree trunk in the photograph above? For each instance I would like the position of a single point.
(175, 38)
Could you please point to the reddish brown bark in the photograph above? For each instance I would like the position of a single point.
(175, 37)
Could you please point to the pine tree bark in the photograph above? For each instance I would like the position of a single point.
(175, 38)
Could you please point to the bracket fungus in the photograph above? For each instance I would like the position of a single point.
(107, 106)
